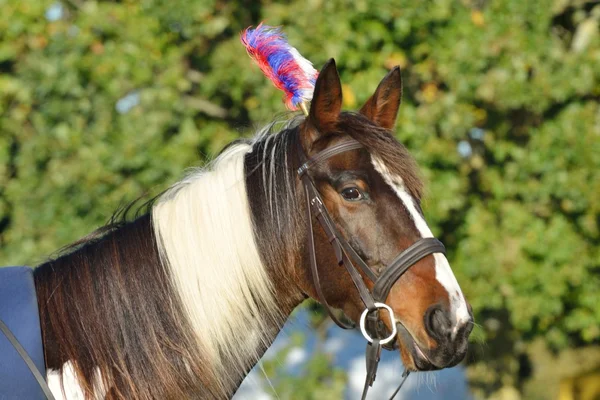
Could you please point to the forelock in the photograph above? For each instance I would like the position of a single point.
(381, 143)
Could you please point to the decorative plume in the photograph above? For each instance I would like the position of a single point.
(282, 64)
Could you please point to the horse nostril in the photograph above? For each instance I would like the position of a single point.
(469, 325)
(438, 323)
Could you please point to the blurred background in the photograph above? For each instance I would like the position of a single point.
(104, 101)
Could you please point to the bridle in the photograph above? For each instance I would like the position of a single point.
(347, 256)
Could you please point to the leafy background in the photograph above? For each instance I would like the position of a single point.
(104, 101)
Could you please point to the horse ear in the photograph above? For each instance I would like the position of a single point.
(382, 107)
(326, 104)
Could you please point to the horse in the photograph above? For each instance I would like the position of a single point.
(182, 300)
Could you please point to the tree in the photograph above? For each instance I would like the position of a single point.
(101, 102)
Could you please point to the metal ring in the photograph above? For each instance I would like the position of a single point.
(363, 317)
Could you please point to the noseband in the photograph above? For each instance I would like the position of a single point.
(373, 300)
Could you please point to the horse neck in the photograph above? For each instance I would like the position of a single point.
(110, 310)
(105, 309)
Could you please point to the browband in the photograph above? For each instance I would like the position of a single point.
(330, 152)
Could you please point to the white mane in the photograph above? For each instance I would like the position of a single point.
(206, 241)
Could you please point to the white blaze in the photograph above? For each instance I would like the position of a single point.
(443, 272)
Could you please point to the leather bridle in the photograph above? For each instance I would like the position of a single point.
(346, 256)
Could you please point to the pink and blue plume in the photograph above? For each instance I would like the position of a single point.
(281, 63)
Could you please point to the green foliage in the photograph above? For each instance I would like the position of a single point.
(514, 83)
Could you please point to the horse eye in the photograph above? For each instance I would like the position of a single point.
(352, 194)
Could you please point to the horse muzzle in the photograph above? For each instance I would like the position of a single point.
(450, 343)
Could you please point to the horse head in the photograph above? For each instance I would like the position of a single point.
(372, 194)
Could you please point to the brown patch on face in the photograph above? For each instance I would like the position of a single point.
(378, 228)
(413, 294)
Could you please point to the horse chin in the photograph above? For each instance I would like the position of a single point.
(413, 358)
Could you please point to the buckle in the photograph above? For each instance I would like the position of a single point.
(303, 168)
(363, 318)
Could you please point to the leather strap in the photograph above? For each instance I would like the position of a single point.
(358, 260)
(28, 361)
(314, 269)
(404, 376)
(336, 240)
(325, 154)
(402, 263)
(372, 357)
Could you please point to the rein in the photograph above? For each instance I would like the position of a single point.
(27, 359)
(345, 255)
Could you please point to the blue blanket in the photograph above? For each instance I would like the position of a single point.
(19, 311)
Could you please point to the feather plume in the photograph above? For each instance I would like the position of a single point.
(281, 63)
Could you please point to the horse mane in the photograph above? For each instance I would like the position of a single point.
(116, 305)
(205, 234)
(381, 143)
(109, 309)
